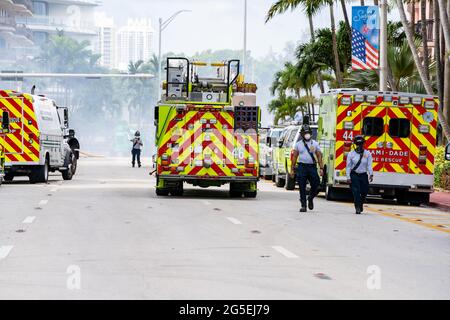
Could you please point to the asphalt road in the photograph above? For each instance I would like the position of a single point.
(105, 235)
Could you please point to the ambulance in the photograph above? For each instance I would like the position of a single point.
(400, 132)
(207, 126)
(36, 137)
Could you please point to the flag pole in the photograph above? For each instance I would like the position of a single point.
(383, 46)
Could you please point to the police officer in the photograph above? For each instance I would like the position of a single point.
(359, 172)
(308, 153)
(136, 150)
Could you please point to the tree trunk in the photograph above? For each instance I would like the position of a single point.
(445, 24)
(347, 21)
(426, 82)
(362, 3)
(426, 60)
(335, 49)
(313, 38)
(437, 49)
(375, 2)
(413, 17)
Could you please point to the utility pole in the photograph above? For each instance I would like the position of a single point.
(244, 58)
(163, 25)
(383, 46)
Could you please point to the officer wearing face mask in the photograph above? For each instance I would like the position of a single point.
(308, 153)
(359, 172)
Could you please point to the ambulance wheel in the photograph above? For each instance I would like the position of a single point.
(71, 167)
(250, 194)
(162, 192)
(40, 174)
(8, 177)
(290, 182)
(330, 193)
(280, 182)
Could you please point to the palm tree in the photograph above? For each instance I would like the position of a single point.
(420, 68)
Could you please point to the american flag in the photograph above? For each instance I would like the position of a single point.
(364, 55)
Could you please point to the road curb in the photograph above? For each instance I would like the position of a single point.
(439, 206)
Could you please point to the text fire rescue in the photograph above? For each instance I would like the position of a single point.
(392, 156)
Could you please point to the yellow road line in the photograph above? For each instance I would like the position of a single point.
(410, 220)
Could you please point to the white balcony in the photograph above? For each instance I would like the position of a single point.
(52, 24)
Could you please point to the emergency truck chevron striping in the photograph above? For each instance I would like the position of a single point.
(207, 129)
(400, 131)
(34, 137)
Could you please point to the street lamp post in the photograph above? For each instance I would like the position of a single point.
(383, 46)
(163, 25)
(244, 57)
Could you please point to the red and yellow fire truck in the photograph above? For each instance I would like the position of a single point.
(400, 131)
(207, 129)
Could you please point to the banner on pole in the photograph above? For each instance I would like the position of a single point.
(365, 37)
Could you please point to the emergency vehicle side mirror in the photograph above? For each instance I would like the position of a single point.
(447, 152)
(5, 121)
(280, 143)
(66, 118)
(268, 141)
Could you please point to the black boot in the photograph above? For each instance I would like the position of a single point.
(310, 204)
(303, 209)
(358, 208)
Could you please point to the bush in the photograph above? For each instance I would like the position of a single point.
(442, 170)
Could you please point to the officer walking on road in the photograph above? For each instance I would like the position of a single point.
(136, 150)
(359, 173)
(308, 153)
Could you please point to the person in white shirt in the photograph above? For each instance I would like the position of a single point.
(308, 153)
(359, 172)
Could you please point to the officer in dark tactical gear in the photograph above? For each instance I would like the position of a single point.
(308, 153)
(359, 172)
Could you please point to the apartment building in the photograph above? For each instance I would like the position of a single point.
(134, 42)
(13, 35)
(105, 44)
(74, 17)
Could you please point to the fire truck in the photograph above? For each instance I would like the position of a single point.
(400, 131)
(207, 129)
(36, 137)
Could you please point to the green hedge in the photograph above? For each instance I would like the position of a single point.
(442, 170)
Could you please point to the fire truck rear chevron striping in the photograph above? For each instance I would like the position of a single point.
(400, 131)
(207, 129)
(34, 137)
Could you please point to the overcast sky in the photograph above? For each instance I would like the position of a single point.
(217, 24)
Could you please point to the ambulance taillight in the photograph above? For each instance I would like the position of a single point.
(347, 148)
(423, 155)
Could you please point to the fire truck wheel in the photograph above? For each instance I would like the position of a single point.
(235, 194)
(8, 177)
(162, 192)
(250, 194)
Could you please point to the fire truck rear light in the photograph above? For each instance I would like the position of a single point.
(371, 99)
(349, 125)
(164, 163)
(404, 100)
(235, 170)
(346, 101)
(338, 173)
(388, 98)
(228, 108)
(165, 168)
(165, 157)
(213, 121)
(203, 121)
(198, 163)
(423, 128)
(417, 100)
(389, 145)
(422, 159)
(180, 169)
(359, 98)
(429, 104)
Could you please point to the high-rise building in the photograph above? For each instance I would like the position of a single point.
(134, 42)
(105, 43)
(74, 17)
(13, 36)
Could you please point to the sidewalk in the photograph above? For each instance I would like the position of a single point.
(440, 200)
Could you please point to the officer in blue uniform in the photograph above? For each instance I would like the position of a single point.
(308, 153)
(359, 172)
